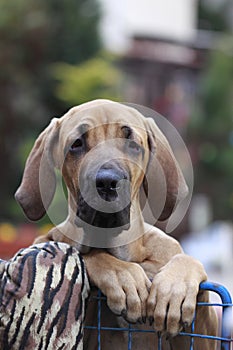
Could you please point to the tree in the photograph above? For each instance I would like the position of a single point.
(211, 131)
(212, 17)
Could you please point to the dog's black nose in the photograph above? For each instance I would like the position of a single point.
(108, 182)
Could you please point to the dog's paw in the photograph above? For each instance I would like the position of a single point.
(127, 291)
(172, 301)
(125, 284)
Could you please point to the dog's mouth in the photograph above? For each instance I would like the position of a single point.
(88, 217)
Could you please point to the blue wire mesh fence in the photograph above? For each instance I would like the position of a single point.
(224, 340)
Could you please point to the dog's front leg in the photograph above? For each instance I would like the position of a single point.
(125, 284)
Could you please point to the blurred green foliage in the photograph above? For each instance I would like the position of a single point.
(213, 17)
(211, 131)
(92, 79)
(35, 36)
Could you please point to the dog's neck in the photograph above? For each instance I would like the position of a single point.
(120, 245)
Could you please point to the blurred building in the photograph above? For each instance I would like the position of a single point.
(123, 19)
(163, 52)
(162, 74)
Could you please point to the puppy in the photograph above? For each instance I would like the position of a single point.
(112, 160)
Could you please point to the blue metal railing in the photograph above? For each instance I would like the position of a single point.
(224, 339)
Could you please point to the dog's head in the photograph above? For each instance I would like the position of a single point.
(109, 155)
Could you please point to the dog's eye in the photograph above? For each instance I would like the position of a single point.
(134, 146)
(77, 145)
(127, 131)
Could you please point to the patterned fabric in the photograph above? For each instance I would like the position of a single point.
(42, 298)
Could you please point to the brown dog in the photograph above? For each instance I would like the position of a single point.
(111, 157)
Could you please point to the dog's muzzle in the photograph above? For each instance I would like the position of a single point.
(104, 200)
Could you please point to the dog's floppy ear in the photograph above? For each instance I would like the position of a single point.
(39, 180)
(164, 183)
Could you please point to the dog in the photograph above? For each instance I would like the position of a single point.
(111, 158)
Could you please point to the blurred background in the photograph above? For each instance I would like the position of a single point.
(173, 56)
